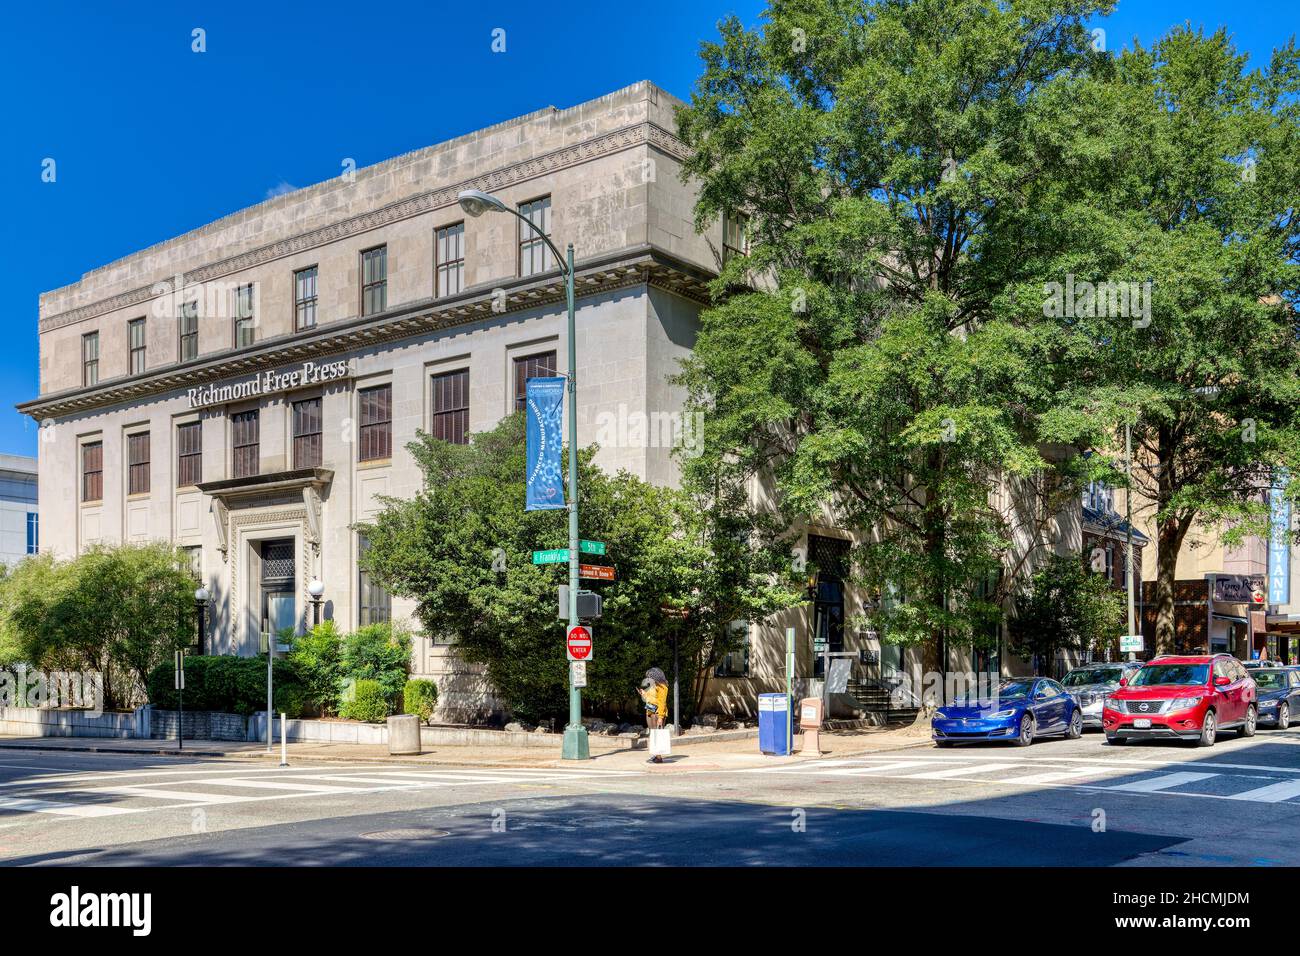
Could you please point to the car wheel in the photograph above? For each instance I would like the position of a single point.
(1252, 721)
(1026, 731)
(1076, 726)
(1208, 730)
(1283, 716)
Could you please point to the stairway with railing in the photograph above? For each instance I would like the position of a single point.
(880, 698)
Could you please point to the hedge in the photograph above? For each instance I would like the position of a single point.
(231, 685)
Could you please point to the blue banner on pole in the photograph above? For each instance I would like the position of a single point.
(545, 478)
(1279, 546)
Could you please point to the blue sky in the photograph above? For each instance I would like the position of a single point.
(151, 139)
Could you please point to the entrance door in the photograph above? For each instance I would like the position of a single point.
(278, 592)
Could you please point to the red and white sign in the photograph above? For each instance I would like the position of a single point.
(578, 643)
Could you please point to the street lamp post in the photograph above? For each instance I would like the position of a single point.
(475, 202)
(315, 588)
(200, 608)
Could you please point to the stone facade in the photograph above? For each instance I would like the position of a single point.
(611, 170)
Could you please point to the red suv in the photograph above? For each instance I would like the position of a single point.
(1188, 698)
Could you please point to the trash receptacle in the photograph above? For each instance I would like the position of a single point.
(774, 724)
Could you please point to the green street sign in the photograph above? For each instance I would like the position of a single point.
(591, 547)
(554, 556)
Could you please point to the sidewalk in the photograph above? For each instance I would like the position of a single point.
(713, 755)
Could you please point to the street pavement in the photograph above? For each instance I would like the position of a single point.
(1059, 802)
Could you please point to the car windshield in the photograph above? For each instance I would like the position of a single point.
(1269, 680)
(1093, 675)
(1171, 674)
(1012, 689)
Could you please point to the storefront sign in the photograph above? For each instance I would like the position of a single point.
(268, 383)
(1238, 589)
(1279, 548)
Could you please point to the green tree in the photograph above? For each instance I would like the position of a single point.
(865, 357)
(1065, 608)
(462, 549)
(1185, 178)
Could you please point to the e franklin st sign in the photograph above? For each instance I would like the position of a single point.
(268, 383)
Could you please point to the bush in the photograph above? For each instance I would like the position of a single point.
(232, 685)
(380, 653)
(419, 697)
(369, 702)
(318, 659)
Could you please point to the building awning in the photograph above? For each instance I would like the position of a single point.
(306, 482)
(1283, 623)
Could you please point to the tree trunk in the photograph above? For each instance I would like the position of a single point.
(1169, 541)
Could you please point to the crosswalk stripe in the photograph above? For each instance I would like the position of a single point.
(1273, 793)
(60, 809)
(1161, 781)
(272, 785)
(1056, 776)
(961, 771)
(381, 781)
(878, 768)
(189, 796)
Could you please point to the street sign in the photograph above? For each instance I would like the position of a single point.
(578, 671)
(591, 547)
(180, 670)
(553, 556)
(1131, 644)
(578, 643)
(600, 572)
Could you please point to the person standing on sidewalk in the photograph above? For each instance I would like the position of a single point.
(654, 694)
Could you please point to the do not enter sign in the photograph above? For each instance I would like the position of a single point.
(578, 643)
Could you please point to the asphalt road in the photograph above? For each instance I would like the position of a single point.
(1067, 803)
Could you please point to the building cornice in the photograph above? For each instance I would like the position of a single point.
(643, 265)
(644, 133)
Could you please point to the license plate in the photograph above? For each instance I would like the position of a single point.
(1142, 723)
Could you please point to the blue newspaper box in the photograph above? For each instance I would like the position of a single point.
(774, 713)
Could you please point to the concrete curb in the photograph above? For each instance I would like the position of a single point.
(142, 751)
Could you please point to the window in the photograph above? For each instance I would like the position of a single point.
(304, 299)
(90, 358)
(449, 259)
(137, 452)
(246, 460)
(534, 254)
(374, 603)
(33, 533)
(188, 323)
(1099, 496)
(306, 433)
(374, 280)
(244, 318)
(735, 235)
(450, 419)
(376, 423)
(735, 663)
(135, 342)
(541, 365)
(189, 454)
(92, 471)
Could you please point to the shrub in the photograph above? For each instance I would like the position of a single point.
(318, 658)
(369, 702)
(419, 697)
(232, 685)
(381, 653)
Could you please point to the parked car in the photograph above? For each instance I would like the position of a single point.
(1091, 684)
(1277, 692)
(1252, 665)
(1023, 709)
(1183, 698)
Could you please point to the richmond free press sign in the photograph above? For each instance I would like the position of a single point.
(268, 383)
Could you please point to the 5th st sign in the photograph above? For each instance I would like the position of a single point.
(578, 643)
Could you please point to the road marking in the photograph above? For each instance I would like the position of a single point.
(60, 809)
(960, 771)
(1273, 793)
(1161, 782)
(272, 785)
(878, 768)
(191, 796)
(1055, 776)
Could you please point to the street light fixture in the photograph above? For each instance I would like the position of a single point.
(475, 202)
(315, 588)
(201, 597)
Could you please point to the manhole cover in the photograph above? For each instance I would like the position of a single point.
(407, 833)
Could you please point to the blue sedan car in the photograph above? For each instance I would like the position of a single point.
(1277, 691)
(1024, 708)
